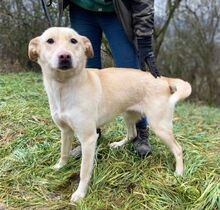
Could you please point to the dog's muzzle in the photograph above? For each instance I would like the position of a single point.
(65, 61)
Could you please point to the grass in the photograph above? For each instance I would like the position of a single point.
(29, 146)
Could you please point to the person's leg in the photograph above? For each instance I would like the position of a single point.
(84, 22)
(125, 55)
(123, 51)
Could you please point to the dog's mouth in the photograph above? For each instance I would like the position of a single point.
(65, 65)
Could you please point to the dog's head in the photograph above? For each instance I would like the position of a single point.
(61, 49)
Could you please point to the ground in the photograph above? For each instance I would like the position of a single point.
(29, 147)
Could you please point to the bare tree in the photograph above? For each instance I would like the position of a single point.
(159, 34)
(190, 50)
(20, 21)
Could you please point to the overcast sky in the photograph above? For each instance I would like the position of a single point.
(159, 6)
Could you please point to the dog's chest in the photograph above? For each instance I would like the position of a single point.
(62, 101)
(61, 107)
(67, 105)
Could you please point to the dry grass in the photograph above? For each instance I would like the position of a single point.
(29, 146)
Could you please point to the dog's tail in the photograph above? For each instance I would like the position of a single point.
(179, 90)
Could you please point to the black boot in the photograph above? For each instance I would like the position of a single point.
(141, 142)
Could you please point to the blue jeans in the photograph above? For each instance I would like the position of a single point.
(93, 25)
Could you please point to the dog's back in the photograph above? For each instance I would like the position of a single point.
(136, 83)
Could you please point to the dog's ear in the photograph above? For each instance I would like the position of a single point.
(88, 46)
(33, 49)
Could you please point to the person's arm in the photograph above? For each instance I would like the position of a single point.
(143, 25)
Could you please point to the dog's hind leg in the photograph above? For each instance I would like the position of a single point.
(130, 120)
(162, 126)
(66, 144)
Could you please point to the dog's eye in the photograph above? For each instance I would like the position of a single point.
(50, 41)
(73, 41)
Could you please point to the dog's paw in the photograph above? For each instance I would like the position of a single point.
(115, 144)
(76, 196)
(178, 173)
(59, 165)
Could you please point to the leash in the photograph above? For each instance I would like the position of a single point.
(60, 8)
(44, 5)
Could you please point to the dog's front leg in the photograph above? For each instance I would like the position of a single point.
(88, 145)
(66, 142)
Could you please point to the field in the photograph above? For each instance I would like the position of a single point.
(29, 147)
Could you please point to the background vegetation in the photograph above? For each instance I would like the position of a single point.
(187, 40)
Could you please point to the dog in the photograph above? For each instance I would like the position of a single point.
(81, 100)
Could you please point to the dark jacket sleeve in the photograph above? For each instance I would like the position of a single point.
(136, 16)
(142, 12)
(123, 11)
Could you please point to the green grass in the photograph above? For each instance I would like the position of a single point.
(29, 146)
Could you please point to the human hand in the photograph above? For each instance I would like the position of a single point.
(146, 56)
(151, 63)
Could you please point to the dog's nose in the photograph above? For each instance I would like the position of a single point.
(65, 57)
(65, 61)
